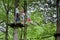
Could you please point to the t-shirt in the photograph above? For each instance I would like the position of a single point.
(22, 16)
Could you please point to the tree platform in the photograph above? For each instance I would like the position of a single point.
(13, 25)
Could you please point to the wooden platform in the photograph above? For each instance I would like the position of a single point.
(13, 25)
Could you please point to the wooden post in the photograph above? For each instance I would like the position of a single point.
(57, 35)
(25, 28)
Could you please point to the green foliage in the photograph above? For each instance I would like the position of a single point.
(41, 31)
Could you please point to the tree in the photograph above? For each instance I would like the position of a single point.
(57, 35)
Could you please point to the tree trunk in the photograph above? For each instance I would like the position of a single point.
(7, 11)
(58, 22)
(6, 36)
(25, 28)
(25, 33)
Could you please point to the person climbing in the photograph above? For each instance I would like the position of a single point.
(28, 19)
(22, 16)
(17, 15)
(17, 18)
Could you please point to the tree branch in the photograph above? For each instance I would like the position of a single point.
(2, 21)
(35, 23)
